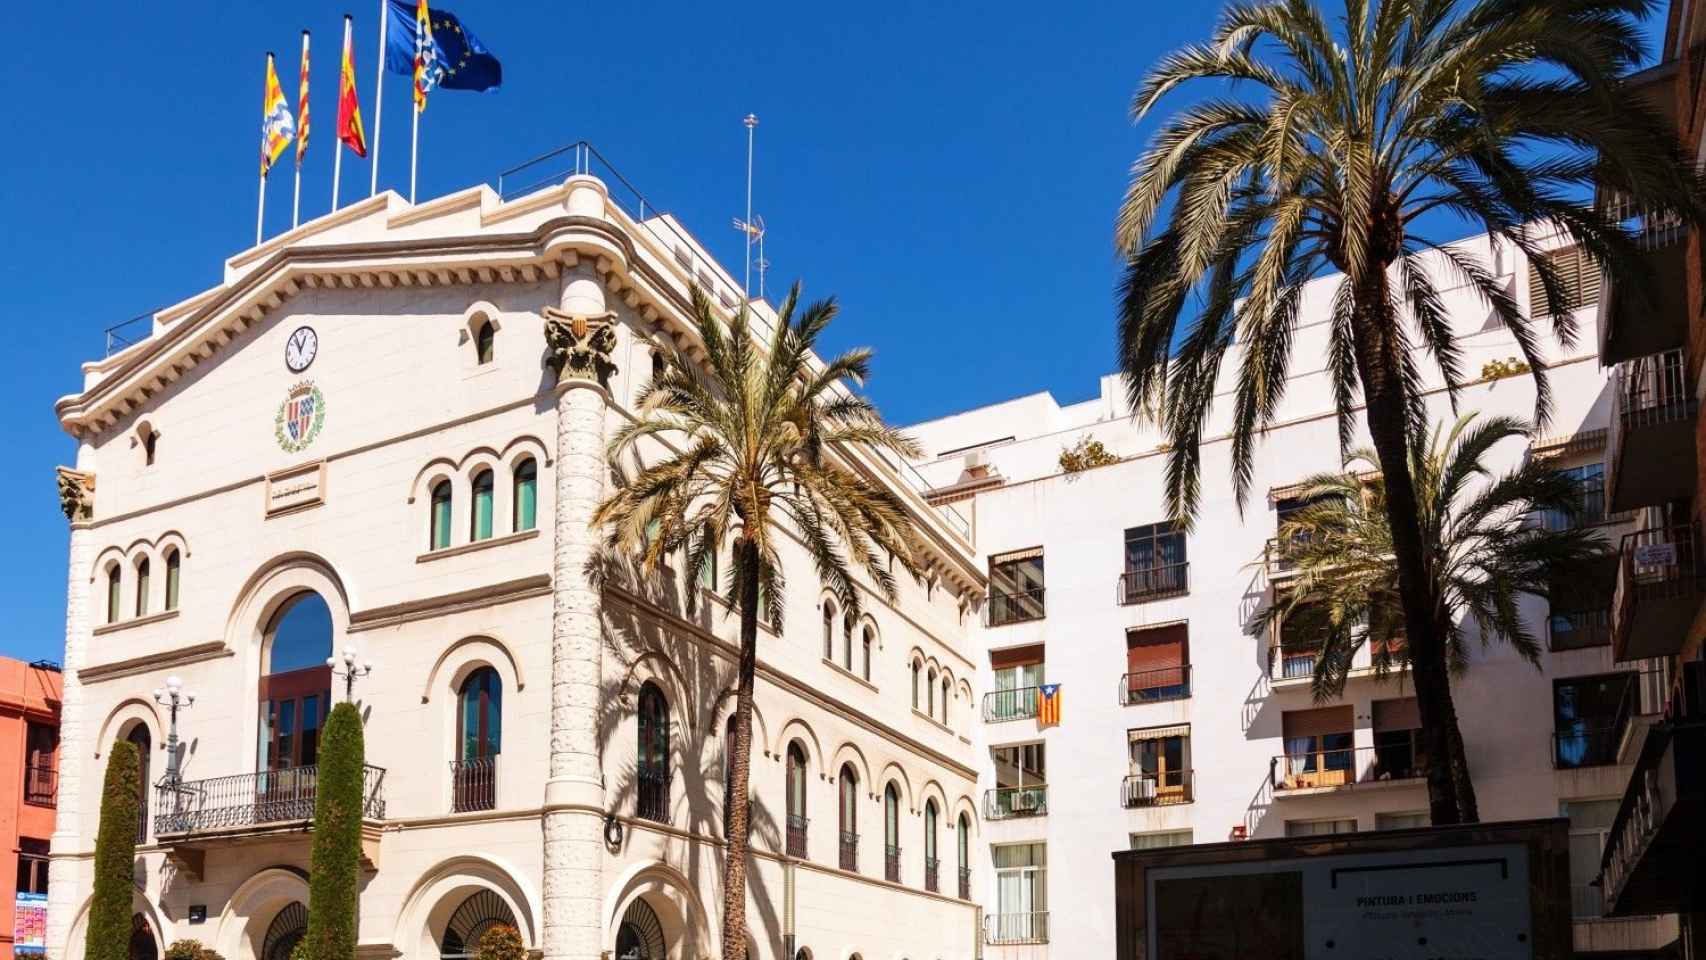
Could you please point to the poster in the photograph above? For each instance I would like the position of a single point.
(29, 925)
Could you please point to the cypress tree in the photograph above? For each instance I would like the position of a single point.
(334, 864)
(108, 936)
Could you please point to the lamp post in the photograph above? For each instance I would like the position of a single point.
(352, 669)
(174, 698)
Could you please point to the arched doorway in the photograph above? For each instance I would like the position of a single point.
(285, 932)
(295, 686)
(640, 937)
(139, 738)
(142, 945)
(479, 913)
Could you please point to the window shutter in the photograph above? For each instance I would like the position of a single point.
(1576, 271)
(1397, 714)
(1157, 648)
(1317, 723)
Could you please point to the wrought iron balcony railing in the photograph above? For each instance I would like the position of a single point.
(1002, 803)
(849, 851)
(474, 784)
(1348, 766)
(965, 883)
(1646, 391)
(932, 882)
(1019, 607)
(1018, 703)
(1579, 629)
(891, 863)
(41, 785)
(651, 794)
(1004, 928)
(1156, 789)
(797, 835)
(1155, 686)
(253, 800)
(1154, 583)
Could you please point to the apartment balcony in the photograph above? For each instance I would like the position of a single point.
(1306, 773)
(1581, 630)
(1006, 803)
(1279, 558)
(1166, 789)
(1018, 703)
(1653, 316)
(1652, 854)
(1154, 583)
(193, 816)
(1650, 455)
(473, 784)
(1293, 666)
(797, 835)
(1660, 583)
(1003, 609)
(41, 785)
(1155, 686)
(932, 875)
(1011, 928)
(849, 851)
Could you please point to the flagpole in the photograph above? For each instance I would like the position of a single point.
(296, 191)
(751, 122)
(337, 139)
(261, 207)
(414, 154)
(378, 96)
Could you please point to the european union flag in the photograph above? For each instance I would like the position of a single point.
(459, 61)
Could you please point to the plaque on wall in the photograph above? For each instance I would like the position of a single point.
(297, 488)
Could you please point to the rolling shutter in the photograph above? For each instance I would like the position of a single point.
(1157, 649)
(1398, 714)
(1576, 271)
(1317, 723)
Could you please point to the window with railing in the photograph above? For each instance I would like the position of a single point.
(1590, 715)
(1017, 676)
(1021, 785)
(1157, 664)
(1021, 894)
(474, 784)
(891, 833)
(1155, 563)
(41, 778)
(652, 775)
(1159, 772)
(1015, 588)
(1579, 629)
(1318, 749)
(847, 794)
(1590, 824)
(796, 799)
(1588, 504)
(849, 851)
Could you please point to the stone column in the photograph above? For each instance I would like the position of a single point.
(65, 890)
(581, 340)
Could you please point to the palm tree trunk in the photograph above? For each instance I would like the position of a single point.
(740, 766)
(1379, 366)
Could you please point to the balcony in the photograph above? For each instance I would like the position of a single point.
(1579, 630)
(1154, 583)
(1279, 558)
(891, 863)
(1326, 771)
(1654, 317)
(797, 835)
(1294, 664)
(1155, 686)
(194, 815)
(1006, 803)
(473, 784)
(1008, 608)
(1588, 744)
(849, 851)
(1659, 589)
(1010, 928)
(1652, 427)
(1164, 789)
(965, 883)
(1018, 703)
(41, 785)
(932, 881)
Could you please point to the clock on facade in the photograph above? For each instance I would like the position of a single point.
(301, 348)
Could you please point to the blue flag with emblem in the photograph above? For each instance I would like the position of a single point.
(457, 60)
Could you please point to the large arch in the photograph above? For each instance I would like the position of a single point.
(436, 895)
(251, 909)
(139, 904)
(119, 720)
(670, 895)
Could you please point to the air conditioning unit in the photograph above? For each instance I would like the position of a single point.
(1026, 801)
(1143, 788)
(977, 458)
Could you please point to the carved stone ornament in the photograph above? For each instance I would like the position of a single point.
(76, 493)
(581, 346)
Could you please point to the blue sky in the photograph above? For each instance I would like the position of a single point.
(948, 170)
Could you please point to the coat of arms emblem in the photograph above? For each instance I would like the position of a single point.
(300, 417)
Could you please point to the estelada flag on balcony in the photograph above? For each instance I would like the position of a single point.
(1048, 704)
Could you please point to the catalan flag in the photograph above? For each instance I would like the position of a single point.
(302, 105)
(277, 128)
(1048, 705)
(349, 106)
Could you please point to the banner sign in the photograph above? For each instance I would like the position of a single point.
(29, 926)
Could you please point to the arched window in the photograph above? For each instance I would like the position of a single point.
(962, 841)
(947, 688)
(525, 505)
(142, 587)
(295, 685)
(847, 643)
(113, 600)
(930, 862)
(891, 833)
(478, 914)
(484, 337)
(796, 800)
(479, 740)
(285, 932)
(848, 783)
(652, 763)
(828, 630)
(480, 518)
(868, 644)
(139, 738)
(439, 538)
(173, 563)
(916, 667)
(930, 694)
(640, 935)
(150, 444)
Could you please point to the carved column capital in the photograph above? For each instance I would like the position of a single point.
(581, 345)
(76, 493)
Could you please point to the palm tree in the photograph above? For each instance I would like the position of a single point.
(1484, 551)
(746, 441)
(1323, 153)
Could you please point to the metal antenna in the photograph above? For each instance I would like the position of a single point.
(751, 122)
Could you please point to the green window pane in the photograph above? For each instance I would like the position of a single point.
(481, 518)
(526, 496)
(172, 566)
(440, 516)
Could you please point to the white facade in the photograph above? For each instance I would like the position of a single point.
(1000, 465)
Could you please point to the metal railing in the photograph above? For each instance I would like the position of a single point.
(474, 784)
(1156, 686)
(1589, 744)
(1579, 629)
(932, 882)
(651, 794)
(849, 851)
(129, 333)
(1154, 583)
(1279, 555)
(1022, 607)
(797, 835)
(1002, 928)
(254, 799)
(1661, 562)
(41, 785)
(891, 863)
(965, 883)
(1292, 662)
(1645, 806)
(1156, 789)
(1646, 391)
(1002, 803)
(1652, 230)
(1347, 766)
(1017, 703)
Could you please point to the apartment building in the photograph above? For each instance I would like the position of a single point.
(29, 764)
(1653, 340)
(1181, 721)
(378, 441)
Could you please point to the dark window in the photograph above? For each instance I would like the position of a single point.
(139, 738)
(484, 336)
(142, 587)
(828, 630)
(150, 442)
(41, 743)
(1016, 587)
(653, 757)
(867, 660)
(113, 600)
(32, 865)
(1155, 562)
(849, 797)
(1589, 715)
(1590, 498)
(479, 740)
(891, 833)
(796, 800)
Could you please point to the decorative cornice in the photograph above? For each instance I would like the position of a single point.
(141, 621)
(182, 656)
(445, 604)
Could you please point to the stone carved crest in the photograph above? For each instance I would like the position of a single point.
(581, 346)
(76, 493)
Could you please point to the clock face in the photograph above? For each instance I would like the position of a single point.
(301, 348)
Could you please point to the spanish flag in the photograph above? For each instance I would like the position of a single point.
(1048, 705)
(349, 107)
(277, 128)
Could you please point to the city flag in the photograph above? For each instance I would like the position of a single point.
(457, 61)
(302, 105)
(277, 128)
(1048, 704)
(349, 107)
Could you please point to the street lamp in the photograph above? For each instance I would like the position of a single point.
(173, 697)
(351, 670)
